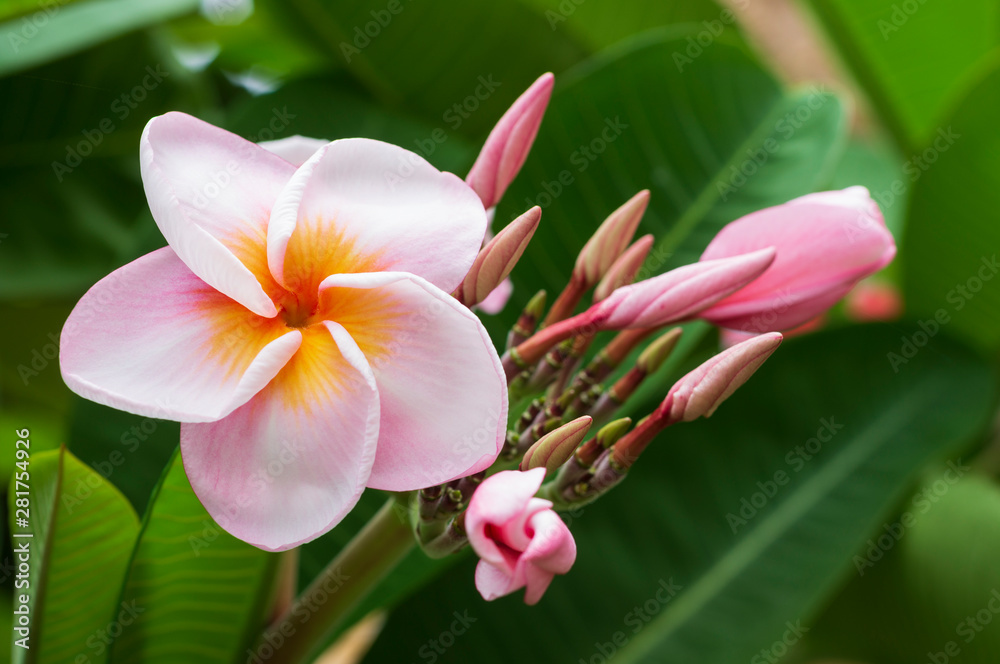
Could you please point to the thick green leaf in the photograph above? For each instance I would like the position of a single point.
(82, 530)
(712, 139)
(878, 166)
(401, 49)
(912, 57)
(56, 31)
(673, 520)
(201, 590)
(927, 582)
(949, 251)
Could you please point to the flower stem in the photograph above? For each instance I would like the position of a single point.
(340, 587)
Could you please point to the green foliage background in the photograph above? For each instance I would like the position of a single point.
(874, 549)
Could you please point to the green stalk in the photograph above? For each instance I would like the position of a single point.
(367, 559)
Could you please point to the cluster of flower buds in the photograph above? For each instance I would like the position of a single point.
(772, 270)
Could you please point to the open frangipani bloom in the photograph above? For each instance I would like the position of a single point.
(826, 242)
(521, 542)
(298, 325)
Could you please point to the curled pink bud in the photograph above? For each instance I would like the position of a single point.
(521, 542)
(700, 392)
(508, 144)
(610, 240)
(671, 297)
(556, 447)
(497, 258)
(678, 294)
(622, 272)
(826, 243)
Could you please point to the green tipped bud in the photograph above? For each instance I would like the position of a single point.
(610, 240)
(555, 448)
(651, 359)
(612, 431)
(496, 260)
(528, 320)
(622, 272)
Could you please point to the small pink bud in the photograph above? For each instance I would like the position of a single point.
(521, 542)
(826, 243)
(610, 240)
(700, 392)
(508, 144)
(678, 294)
(668, 298)
(555, 448)
(622, 272)
(497, 258)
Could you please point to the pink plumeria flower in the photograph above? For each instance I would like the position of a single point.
(825, 243)
(520, 540)
(299, 326)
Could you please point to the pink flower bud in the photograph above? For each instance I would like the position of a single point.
(508, 144)
(521, 542)
(826, 243)
(556, 447)
(700, 392)
(678, 294)
(622, 272)
(671, 297)
(610, 240)
(497, 258)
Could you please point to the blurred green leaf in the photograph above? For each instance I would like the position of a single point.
(930, 583)
(332, 109)
(601, 24)
(131, 451)
(56, 31)
(202, 591)
(83, 530)
(713, 137)
(949, 251)
(673, 519)
(878, 166)
(401, 49)
(913, 57)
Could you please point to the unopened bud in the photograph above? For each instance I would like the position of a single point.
(496, 260)
(700, 392)
(508, 144)
(528, 320)
(612, 431)
(622, 272)
(652, 358)
(610, 240)
(555, 448)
